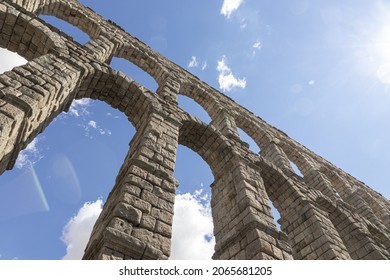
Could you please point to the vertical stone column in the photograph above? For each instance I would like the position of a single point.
(136, 221)
(276, 155)
(353, 197)
(311, 234)
(169, 89)
(353, 233)
(101, 48)
(225, 123)
(243, 224)
(30, 97)
(316, 180)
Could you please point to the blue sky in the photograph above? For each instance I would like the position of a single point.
(317, 70)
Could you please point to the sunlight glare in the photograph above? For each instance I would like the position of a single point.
(382, 45)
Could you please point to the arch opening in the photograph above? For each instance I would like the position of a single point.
(67, 28)
(134, 72)
(193, 108)
(295, 168)
(276, 215)
(67, 172)
(74, 16)
(9, 60)
(192, 230)
(252, 145)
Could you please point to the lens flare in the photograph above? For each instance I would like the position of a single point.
(39, 189)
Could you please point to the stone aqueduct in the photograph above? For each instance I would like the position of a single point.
(326, 214)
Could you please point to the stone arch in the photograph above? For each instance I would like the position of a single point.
(33, 95)
(26, 35)
(143, 58)
(119, 91)
(354, 235)
(201, 96)
(33, 5)
(72, 14)
(205, 141)
(100, 46)
(310, 170)
(253, 129)
(359, 198)
(238, 200)
(300, 216)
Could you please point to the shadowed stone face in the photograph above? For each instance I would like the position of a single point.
(325, 212)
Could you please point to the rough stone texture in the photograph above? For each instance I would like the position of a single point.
(326, 214)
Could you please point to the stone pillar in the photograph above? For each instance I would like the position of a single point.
(353, 197)
(31, 96)
(244, 227)
(136, 221)
(169, 89)
(354, 234)
(276, 155)
(225, 123)
(318, 181)
(311, 234)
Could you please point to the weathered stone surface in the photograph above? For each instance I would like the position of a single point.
(325, 214)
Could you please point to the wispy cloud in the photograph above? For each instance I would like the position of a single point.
(193, 62)
(243, 24)
(230, 6)
(30, 155)
(77, 231)
(227, 81)
(257, 45)
(204, 65)
(92, 126)
(80, 110)
(79, 107)
(192, 236)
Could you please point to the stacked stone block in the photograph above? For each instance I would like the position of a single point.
(325, 214)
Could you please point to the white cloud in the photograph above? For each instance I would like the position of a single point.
(311, 82)
(192, 236)
(257, 45)
(226, 79)
(193, 63)
(204, 66)
(93, 126)
(230, 6)
(10, 60)
(29, 156)
(79, 107)
(76, 232)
